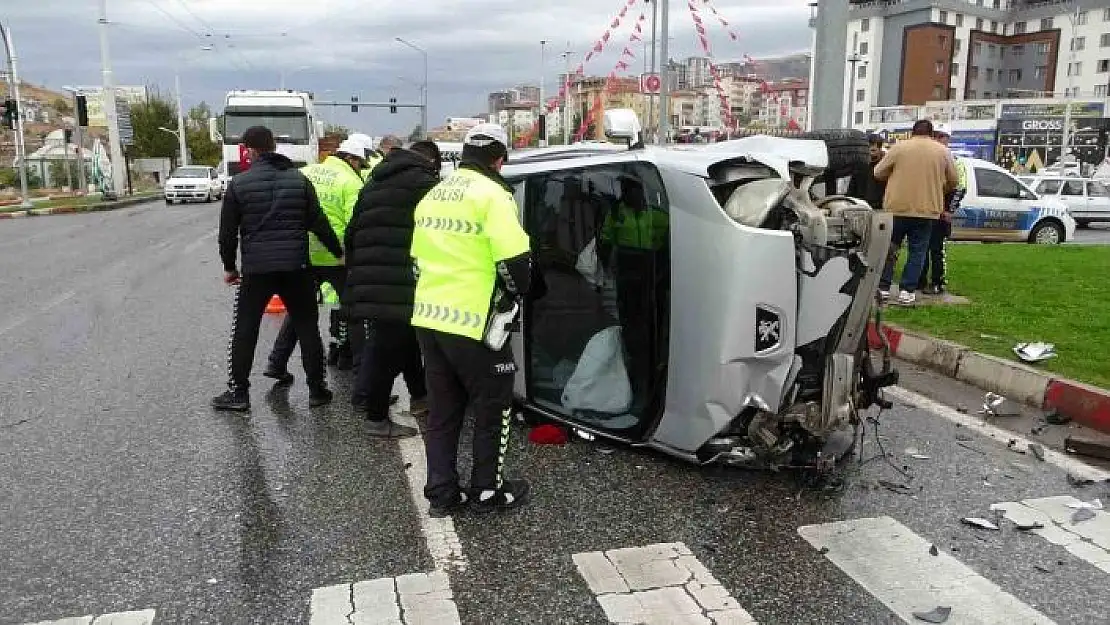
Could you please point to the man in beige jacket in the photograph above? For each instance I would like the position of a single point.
(918, 172)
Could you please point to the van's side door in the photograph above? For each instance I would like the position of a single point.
(1098, 204)
(999, 208)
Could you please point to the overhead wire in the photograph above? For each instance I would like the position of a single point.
(209, 38)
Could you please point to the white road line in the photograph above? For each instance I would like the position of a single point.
(1088, 540)
(417, 599)
(661, 583)
(195, 245)
(977, 425)
(140, 617)
(439, 534)
(54, 303)
(895, 566)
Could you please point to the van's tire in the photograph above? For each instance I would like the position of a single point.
(1047, 232)
(848, 149)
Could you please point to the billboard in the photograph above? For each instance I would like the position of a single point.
(95, 99)
(977, 143)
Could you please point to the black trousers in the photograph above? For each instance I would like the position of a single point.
(465, 376)
(286, 340)
(298, 291)
(936, 261)
(390, 349)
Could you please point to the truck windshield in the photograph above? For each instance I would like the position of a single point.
(287, 127)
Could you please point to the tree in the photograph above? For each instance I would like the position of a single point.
(62, 106)
(202, 150)
(146, 120)
(335, 130)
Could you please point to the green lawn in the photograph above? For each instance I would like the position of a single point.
(1057, 294)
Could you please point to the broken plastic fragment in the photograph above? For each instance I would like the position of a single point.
(979, 522)
(1055, 418)
(933, 551)
(1037, 450)
(1082, 514)
(1027, 527)
(995, 405)
(1094, 504)
(1079, 482)
(1035, 352)
(938, 614)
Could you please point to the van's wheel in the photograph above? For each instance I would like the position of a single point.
(1047, 233)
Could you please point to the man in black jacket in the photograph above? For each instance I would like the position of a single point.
(380, 282)
(272, 207)
(864, 185)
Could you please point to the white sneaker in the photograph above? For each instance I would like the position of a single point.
(907, 298)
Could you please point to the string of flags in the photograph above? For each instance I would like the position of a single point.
(714, 71)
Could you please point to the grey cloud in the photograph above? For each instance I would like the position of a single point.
(474, 46)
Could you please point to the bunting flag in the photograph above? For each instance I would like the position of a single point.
(628, 52)
(726, 109)
(720, 18)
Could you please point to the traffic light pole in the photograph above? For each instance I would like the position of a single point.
(20, 148)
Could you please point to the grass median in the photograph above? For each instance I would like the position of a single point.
(1059, 294)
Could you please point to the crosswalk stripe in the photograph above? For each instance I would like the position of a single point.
(895, 565)
(661, 583)
(138, 617)
(416, 599)
(1088, 540)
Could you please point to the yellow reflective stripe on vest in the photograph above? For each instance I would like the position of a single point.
(447, 224)
(337, 187)
(447, 314)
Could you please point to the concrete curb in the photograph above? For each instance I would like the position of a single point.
(1085, 404)
(86, 208)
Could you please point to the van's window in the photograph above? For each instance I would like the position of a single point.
(1097, 189)
(1049, 187)
(991, 183)
(1072, 187)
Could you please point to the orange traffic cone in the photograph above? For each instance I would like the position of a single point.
(275, 306)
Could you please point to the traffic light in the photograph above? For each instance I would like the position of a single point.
(82, 111)
(354, 107)
(11, 113)
(68, 136)
(393, 109)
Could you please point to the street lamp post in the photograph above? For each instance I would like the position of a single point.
(566, 95)
(664, 73)
(119, 165)
(423, 90)
(854, 60)
(182, 146)
(20, 148)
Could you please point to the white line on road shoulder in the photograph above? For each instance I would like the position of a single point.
(1063, 461)
(417, 599)
(661, 583)
(1087, 540)
(895, 566)
(54, 303)
(139, 617)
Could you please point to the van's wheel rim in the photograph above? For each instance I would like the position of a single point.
(1049, 235)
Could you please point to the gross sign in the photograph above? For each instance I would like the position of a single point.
(1042, 124)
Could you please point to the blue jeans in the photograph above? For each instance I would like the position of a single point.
(917, 230)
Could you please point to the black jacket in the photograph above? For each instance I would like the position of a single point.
(380, 280)
(272, 207)
(866, 187)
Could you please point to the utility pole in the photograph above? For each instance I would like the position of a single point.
(543, 103)
(13, 86)
(854, 60)
(181, 145)
(119, 165)
(664, 74)
(651, 98)
(566, 95)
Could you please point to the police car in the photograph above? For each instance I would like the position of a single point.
(735, 336)
(1000, 207)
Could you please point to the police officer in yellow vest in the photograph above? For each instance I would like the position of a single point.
(337, 182)
(473, 264)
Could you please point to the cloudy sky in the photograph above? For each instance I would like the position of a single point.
(338, 48)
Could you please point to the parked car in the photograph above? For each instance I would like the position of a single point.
(1087, 199)
(699, 301)
(999, 207)
(195, 183)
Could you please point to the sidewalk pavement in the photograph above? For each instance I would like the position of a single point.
(80, 208)
(1085, 404)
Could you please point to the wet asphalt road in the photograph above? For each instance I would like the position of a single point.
(1095, 234)
(121, 490)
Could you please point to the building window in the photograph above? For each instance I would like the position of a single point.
(944, 17)
(957, 45)
(1104, 40)
(1081, 18)
(960, 19)
(939, 67)
(859, 117)
(1019, 28)
(1106, 15)
(863, 48)
(970, 95)
(973, 73)
(977, 49)
(1015, 76)
(861, 71)
(1103, 66)
(1100, 91)
(952, 93)
(861, 95)
(998, 4)
(865, 25)
(942, 40)
(1017, 50)
(992, 50)
(1075, 69)
(938, 91)
(955, 69)
(1040, 71)
(986, 95)
(994, 26)
(1078, 43)
(1046, 23)
(978, 23)
(990, 74)
(1042, 48)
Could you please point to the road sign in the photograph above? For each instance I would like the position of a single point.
(123, 115)
(650, 83)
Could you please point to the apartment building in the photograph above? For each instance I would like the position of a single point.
(907, 52)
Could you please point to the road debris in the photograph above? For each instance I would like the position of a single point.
(1028, 527)
(1053, 417)
(912, 452)
(1079, 482)
(1042, 568)
(1082, 514)
(995, 405)
(933, 551)
(1035, 352)
(896, 487)
(1094, 504)
(1037, 451)
(971, 447)
(938, 614)
(1086, 446)
(979, 522)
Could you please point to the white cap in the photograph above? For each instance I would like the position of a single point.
(485, 134)
(356, 145)
(942, 129)
(365, 140)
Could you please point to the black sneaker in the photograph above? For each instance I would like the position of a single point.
(282, 376)
(388, 428)
(319, 396)
(333, 355)
(344, 362)
(232, 401)
(440, 510)
(512, 494)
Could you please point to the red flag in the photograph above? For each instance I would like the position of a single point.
(579, 69)
(589, 55)
(623, 11)
(733, 35)
(622, 65)
(599, 46)
(616, 22)
(628, 52)
(604, 38)
(699, 28)
(635, 37)
(792, 125)
(639, 26)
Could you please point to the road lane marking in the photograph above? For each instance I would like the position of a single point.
(195, 245)
(1003, 437)
(54, 303)
(439, 534)
(416, 599)
(895, 566)
(140, 617)
(1088, 540)
(661, 583)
